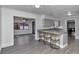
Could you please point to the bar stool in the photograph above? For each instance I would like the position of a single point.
(41, 36)
(47, 38)
(55, 39)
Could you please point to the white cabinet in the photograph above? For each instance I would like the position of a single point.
(51, 23)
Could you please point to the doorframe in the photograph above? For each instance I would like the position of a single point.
(31, 24)
(75, 26)
(67, 22)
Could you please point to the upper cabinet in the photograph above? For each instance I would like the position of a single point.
(51, 23)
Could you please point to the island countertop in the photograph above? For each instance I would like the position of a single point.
(47, 34)
(53, 31)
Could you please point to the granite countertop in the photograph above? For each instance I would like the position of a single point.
(53, 30)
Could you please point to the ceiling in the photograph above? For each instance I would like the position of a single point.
(56, 11)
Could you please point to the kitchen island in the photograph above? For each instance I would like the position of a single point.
(54, 37)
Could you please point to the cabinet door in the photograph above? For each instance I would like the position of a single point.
(56, 23)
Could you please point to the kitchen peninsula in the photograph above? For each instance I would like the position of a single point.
(55, 37)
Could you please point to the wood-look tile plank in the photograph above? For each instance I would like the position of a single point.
(31, 46)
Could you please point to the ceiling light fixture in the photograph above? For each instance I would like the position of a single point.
(69, 13)
(37, 6)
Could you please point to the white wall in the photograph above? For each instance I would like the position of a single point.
(7, 24)
(77, 27)
(39, 25)
(0, 29)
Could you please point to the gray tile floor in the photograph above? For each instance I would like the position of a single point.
(25, 44)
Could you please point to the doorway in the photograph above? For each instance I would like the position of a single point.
(24, 28)
(71, 31)
(33, 27)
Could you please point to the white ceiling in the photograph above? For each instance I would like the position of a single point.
(50, 10)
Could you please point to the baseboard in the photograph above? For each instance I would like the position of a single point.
(76, 37)
(62, 46)
(7, 46)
